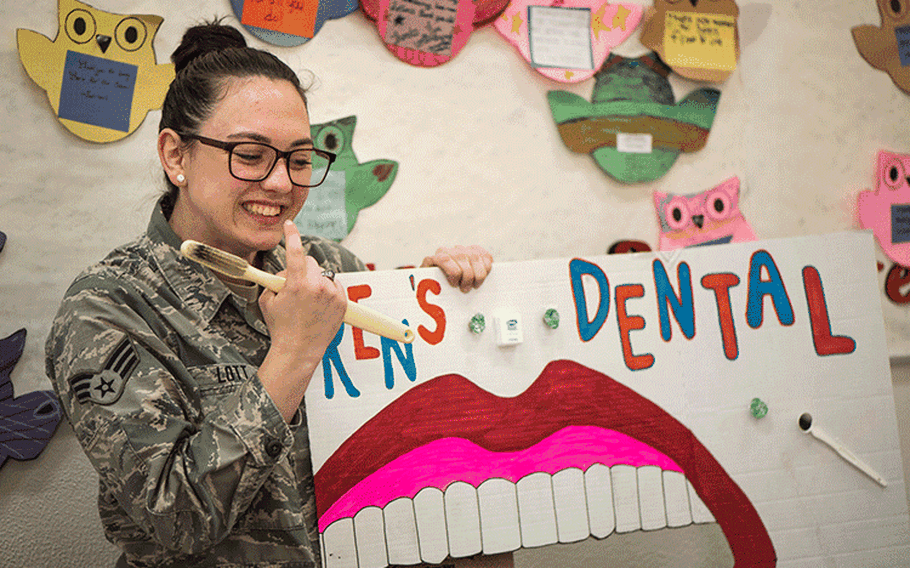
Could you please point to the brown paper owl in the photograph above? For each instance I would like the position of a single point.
(887, 48)
(698, 39)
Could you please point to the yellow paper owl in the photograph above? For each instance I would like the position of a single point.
(698, 39)
(100, 72)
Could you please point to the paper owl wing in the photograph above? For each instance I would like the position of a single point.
(27, 422)
(427, 34)
(698, 40)
(100, 72)
(289, 24)
(567, 40)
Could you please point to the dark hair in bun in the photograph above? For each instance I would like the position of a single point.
(202, 39)
(208, 56)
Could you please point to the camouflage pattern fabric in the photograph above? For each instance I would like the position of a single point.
(155, 362)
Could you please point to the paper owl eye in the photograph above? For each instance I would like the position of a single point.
(100, 72)
(80, 26)
(677, 213)
(130, 34)
(330, 138)
(893, 173)
(717, 205)
(894, 8)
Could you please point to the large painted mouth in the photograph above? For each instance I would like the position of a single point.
(453, 470)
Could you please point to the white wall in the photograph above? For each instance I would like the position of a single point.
(800, 122)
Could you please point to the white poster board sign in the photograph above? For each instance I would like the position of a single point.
(633, 414)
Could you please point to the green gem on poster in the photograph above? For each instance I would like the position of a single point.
(551, 318)
(758, 408)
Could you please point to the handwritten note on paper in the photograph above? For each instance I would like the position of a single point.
(97, 91)
(903, 44)
(423, 25)
(705, 41)
(295, 17)
(560, 37)
(325, 213)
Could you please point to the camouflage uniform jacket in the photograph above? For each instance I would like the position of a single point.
(155, 361)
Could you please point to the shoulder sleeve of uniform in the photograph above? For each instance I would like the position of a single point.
(331, 255)
(105, 343)
(122, 388)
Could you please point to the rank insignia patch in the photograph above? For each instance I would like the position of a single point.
(106, 386)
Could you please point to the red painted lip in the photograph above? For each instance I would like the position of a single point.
(565, 394)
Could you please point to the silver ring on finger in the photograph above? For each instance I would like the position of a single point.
(329, 274)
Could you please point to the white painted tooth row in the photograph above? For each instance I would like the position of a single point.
(501, 516)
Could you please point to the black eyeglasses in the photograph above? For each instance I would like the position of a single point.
(254, 161)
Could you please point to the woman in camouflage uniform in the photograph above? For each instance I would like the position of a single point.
(185, 388)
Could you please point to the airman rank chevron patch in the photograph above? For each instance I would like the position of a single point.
(106, 386)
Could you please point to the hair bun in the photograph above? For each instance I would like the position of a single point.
(202, 39)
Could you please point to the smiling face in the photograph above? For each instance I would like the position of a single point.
(215, 208)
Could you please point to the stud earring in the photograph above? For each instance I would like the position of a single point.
(181, 178)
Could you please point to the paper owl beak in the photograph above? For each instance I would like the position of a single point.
(103, 42)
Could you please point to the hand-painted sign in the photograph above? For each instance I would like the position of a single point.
(633, 413)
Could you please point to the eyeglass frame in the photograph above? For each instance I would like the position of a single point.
(229, 148)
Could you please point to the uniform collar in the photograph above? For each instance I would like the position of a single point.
(196, 285)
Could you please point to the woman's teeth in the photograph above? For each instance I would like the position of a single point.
(264, 210)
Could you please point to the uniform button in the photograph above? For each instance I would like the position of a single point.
(273, 447)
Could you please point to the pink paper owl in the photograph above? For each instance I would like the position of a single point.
(567, 40)
(886, 210)
(707, 218)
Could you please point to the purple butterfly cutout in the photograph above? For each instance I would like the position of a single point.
(27, 422)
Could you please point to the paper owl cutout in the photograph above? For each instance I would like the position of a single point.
(567, 40)
(28, 421)
(886, 209)
(632, 127)
(887, 48)
(707, 218)
(698, 39)
(289, 23)
(427, 34)
(332, 208)
(99, 73)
